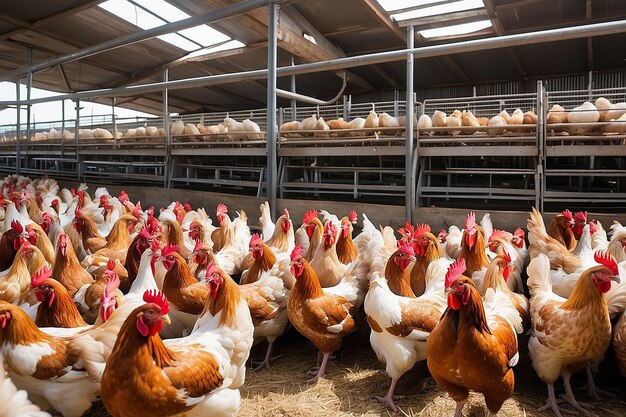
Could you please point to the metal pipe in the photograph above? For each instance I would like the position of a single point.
(293, 90)
(168, 134)
(18, 154)
(552, 35)
(272, 170)
(29, 88)
(209, 17)
(311, 100)
(409, 180)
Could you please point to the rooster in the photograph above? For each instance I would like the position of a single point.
(473, 246)
(474, 345)
(56, 308)
(568, 333)
(561, 229)
(197, 375)
(400, 321)
(322, 316)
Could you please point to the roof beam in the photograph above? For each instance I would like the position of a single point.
(499, 28)
(517, 4)
(383, 17)
(454, 18)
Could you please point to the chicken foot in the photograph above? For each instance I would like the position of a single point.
(553, 405)
(459, 408)
(595, 393)
(388, 400)
(322, 370)
(569, 396)
(268, 358)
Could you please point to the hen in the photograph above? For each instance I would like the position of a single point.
(568, 333)
(322, 316)
(14, 402)
(474, 345)
(473, 246)
(541, 242)
(560, 228)
(400, 321)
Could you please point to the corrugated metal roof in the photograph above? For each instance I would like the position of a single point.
(341, 28)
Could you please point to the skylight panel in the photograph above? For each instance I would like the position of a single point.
(148, 14)
(391, 5)
(456, 30)
(454, 6)
(204, 35)
(222, 47)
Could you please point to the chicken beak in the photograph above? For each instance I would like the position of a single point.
(166, 319)
(412, 258)
(616, 278)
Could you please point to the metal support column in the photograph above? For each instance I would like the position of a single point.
(76, 138)
(294, 116)
(63, 129)
(540, 177)
(409, 189)
(18, 154)
(272, 171)
(168, 135)
(29, 88)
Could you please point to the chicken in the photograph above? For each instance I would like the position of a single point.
(15, 284)
(451, 241)
(173, 234)
(346, 251)
(530, 118)
(496, 121)
(68, 271)
(517, 117)
(439, 119)
(557, 114)
(568, 333)
(454, 120)
(496, 277)
(322, 128)
(541, 242)
(339, 124)
(585, 113)
(90, 237)
(56, 308)
(253, 130)
(281, 240)
(223, 234)
(560, 228)
(427, 250)
(388, 121)
(41, 364)
(505, 115)
(372, 119)
(501, 242)
(580, 220)
(356, 125)
(468, 119)
(309, 123)
(474, 345)
(313, 232)
(604, 107)
(473, 246)
(321, 316)
(197, 375)
(400, 321)
(619, 343)
(14, 402)
(324, 261)
(424, 123)
(617, 245)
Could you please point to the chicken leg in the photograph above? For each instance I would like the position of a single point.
(553, 405)
(459, 408)
(595, 393)
(322, 371)
(268, 357)
(388, 400)
(569, 395)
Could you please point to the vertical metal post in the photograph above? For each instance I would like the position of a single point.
(409, 189)
(168, 135)
(272, 171)
(63, 128)
(18, 154)
(29, 86)
(293, 90)
(77, 133)
(540, 181)
(590, 86)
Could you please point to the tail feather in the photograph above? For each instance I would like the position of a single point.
(539, 275)
(265, 221)
(616, 296)
(487, 226)
(498, 304)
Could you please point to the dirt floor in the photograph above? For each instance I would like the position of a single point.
(355, 377)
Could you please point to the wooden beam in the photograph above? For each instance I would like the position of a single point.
(446, 19)
(384, 74)
(67, 12)
(64, 76)
(15, 21)
(383, 17)
(449, 61)
(517, 4)
(499, 28)
(477, 34)
(349, 29)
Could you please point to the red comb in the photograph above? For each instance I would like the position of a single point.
(443, 233)
(606, 259)
(470, 221)
(111, 264)
(17, 226)
(77, 212)
(155, 245)
(506, 256)
(210, 269)
(113, 283)
(567, 214)
(286, 213)
(352, 216)
(255, 240)
(222, 209)
(581, 216)
(187, 207)
(54, 202)
(519, 232)
(499, 234)
(406, 247)
(145, 233)
(40, 276)
(296, 253)
(407, 231)
(157, 297)
(123, 197)
(593, 227)
(454, 271)
(422, 229)
(169, 249)
(198, 245)
(309, 215)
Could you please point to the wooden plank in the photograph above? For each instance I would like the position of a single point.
(586, 150)
(219, 151)
(342, 151)
(479, 151)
